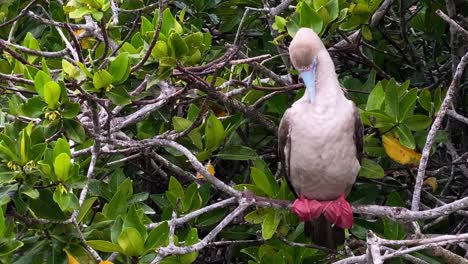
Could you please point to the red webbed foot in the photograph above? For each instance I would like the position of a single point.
(337, 212)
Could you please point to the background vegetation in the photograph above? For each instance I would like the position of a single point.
(136, 131)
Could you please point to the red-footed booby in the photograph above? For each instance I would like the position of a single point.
(320, 143)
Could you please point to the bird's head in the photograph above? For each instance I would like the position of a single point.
(303, 52)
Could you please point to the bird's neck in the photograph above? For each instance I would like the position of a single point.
(326, 76)
(327, 87)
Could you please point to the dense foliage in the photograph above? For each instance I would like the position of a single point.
(145, 132)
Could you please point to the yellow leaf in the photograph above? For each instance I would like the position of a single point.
(400, 153)
(71, 258)
(105, 262)
(210, 168)
(78, 32)
(431, 181)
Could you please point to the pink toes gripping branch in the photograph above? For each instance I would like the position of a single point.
(337, 212)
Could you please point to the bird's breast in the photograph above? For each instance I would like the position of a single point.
(323, 162)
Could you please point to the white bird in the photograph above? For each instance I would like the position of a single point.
(320, 143)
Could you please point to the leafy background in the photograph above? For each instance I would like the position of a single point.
(132, 129)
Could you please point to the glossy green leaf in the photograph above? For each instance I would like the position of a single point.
(393, 230)
(190, 239)
(405, 136)
(407, 103)
(119, 96)
(117, 205)
(119, 68)
(391, 100)
(65, 199)
(52, 94)
(237, 152)
(62, 164)
(270, 223)
(61, 146)
(425, 99)
(417, 122)
(70, 110)
(87, 204)
(131, 242)
(74, 130)
(104, 246)
(376, 98)
(280, 24)
(371, 169)
(259, 178)
(178, 45)
(214, 133)
(102, 79)
(133, 220)
(158, 237)
(309, 18)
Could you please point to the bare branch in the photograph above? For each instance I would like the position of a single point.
(432, 132)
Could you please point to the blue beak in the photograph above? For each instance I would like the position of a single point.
(308, 76)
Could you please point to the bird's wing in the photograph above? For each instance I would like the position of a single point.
(284, 144)
(358, 134)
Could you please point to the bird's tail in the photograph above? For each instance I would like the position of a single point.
(323, 233)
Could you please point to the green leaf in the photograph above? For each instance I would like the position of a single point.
(405, 136)
(178, 45)
(169, 23)
(257, 216)
(376, 98)
(45, 206)
(145, 28)
(407, 103)
(33, 107)
(211, 218)
(104, 246)
(61, 146)
(366, 33)
(62, 164)
(133, 220)
(425, 99)
(160, 50)
(74, 130)
(9, 247)
(371, 169)
(259, 178)
(333, 9)
(393, 230)
(214, 133)
(117, 205)
(391, 99)
(158, 237)
(119, 96)
(270, 223)
(131, 242)
(102, 79)
(190, 239)
(280, 24)
(66, 200)
(39, 81)
(175, 191)
(417, 122)
(309, 18)
(52, 94)
(32, 43)
(437, 99)
(237, 152)
(70, 110)
(85, 208)
(119, 68)
(189, 197)
(116, 229)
